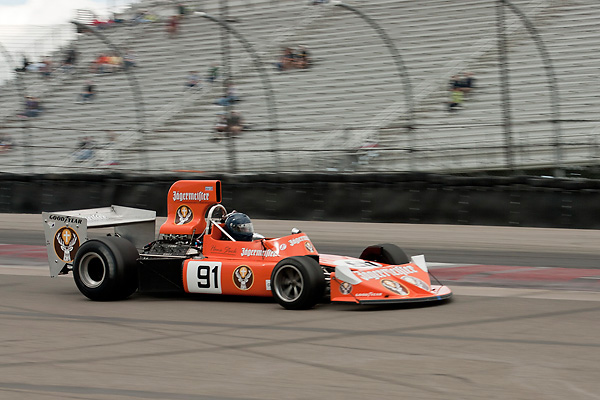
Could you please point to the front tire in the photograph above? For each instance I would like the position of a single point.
(106, 269)
(298, 283)
(386, 253)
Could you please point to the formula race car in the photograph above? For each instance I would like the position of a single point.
(201, 248)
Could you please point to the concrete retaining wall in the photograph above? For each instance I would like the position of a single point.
(410, 198)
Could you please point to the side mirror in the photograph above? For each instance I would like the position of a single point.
(345, 274)
(295, 231)
(269, 246)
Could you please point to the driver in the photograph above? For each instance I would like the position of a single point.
(239, 226)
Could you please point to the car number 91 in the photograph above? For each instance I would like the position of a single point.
(203, 277)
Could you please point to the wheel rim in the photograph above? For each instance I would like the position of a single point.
(288, 283)
(92, 270)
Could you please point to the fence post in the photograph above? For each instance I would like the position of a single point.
(504, 84)
(133, 83)
(21, 94)
(265, 81)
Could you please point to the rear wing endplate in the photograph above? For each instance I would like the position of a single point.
(65, 231)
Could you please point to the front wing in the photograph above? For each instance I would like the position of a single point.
(364, 282)
(437, 293)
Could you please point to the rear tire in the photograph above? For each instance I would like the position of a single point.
(106, 269)
(386, 253)
(298, 283)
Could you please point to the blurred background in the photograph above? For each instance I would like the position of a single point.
(501, 94)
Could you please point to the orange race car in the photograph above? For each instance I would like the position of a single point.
(203, 249)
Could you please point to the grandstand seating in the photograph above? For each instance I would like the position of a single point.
(329, 117)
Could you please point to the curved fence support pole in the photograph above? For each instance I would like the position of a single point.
(21, 93)
(226, 62)
(552, 85)
(134, 85)
(504, 85)
(402, 71)
(265, 82)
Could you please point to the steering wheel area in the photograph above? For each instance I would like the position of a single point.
(214, 216)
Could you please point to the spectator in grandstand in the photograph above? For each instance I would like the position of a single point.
(109, 152)
(294, 58)
(101, 24)
(230, 96)
(173, 26)
(46, 68)
(138, 17)
(365, 153)
(454, 83)
(26, 63)
(101, 64)
(467, 83)
(192, 80)
(181, 10)
(302, 58)
(32, 106)
(82, 30)
(228, 125)
(213, 73)
(144, 16)
(235, 124)
(88, 93)
(463, 82)
(85, 149)
(35, 66)
(460, 86)
(456, 99)
(221, 124)
(116, 18)
(6, 142)
(70, 59)
(286, 60)
(129, 59)
(115, 62)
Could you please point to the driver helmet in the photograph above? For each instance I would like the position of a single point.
(239, 226)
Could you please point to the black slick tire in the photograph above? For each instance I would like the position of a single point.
(105, 269)
(298, 283)
(386, 253)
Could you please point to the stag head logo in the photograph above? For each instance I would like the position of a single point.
(345, 288)
(183, 215)
(394, 286)
(243, 278)
(66, 243)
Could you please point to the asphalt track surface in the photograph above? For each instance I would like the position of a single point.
(523, 324)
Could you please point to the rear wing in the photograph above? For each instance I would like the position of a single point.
(65, 231)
